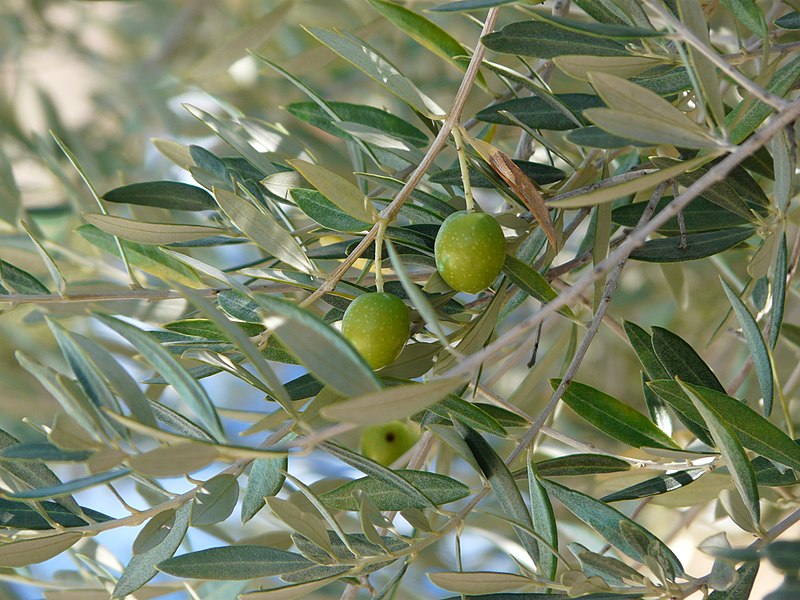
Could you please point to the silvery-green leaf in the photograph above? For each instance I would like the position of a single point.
(190, 391)
(144, 232)
(755, 343)
(397, 402)
(318, 346)
(36, 550)
(234, 563)
(263, 229)
(439, 489)
(215, 500)
(142, 567)
(372, 63)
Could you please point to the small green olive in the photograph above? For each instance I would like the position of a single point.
(377, 324)
(470, 250)
(386, 443)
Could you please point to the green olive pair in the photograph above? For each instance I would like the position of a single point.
(469, 249)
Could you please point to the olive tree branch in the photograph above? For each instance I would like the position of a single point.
(390, 212)
(508, 341)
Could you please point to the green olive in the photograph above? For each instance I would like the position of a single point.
(377, 324)
(386, 443)
(470, 250)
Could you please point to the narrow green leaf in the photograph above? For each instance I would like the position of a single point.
(319, 347)
(42, 451)
(642, 344)
(397, 402)
(377, 471)
(503, 486)
(749, 14)
(755, 343)
(543, 40)
(438, 489)
(746, 117)
(86, 371)
(614, 418)
(743, 587)
(154, 532)
(655, 486)
(265, 479)
(700, 215)
(148, 258)
(36, 550)
(263, 229)
(608, 522)
(468, 413)
(377, 67)
(693, 247)
(68, 393)
(424, 32)
(36, 476)
(610, 193)
(235, 139)
(122, 383)
(735, 457)
(187, 387)
(174, 460)
(544, 522)
(637, 113)
(179, 422)
(691, 13)
(144, 232)
(680, 360)
(467, 5)
(20, 281)
(142, 567)
(722, 193)
(163, 194)
(581, 464)
(20, 515)
(532, 283)
(779, 293)
(289, 592)
(215, 501)
(52, 267)
(480, 582)
(321, 210)
(236, 334)
(599, 30)
(338, 190)
(754, 431)
(417, 297)
(539, 173)
(65, 489)
(538, 113)
(234, 563)
(360, 114)
(790, 21)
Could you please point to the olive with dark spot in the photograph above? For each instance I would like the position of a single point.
(387, 442)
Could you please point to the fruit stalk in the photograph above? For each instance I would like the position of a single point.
(464, 165)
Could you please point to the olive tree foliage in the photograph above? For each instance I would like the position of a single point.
(633, 363)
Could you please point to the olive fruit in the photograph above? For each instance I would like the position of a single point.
(377, 324)
(386, 443)
(470, 250)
